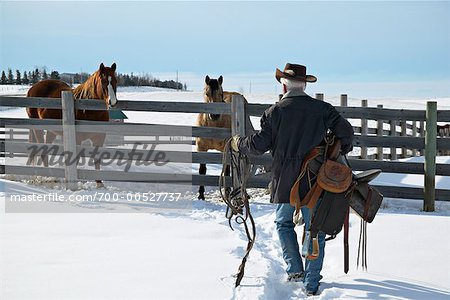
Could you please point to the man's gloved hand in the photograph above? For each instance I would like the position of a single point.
(235, 143)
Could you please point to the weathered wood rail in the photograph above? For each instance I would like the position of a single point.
(391, 129)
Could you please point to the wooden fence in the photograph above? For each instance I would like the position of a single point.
(413, 131)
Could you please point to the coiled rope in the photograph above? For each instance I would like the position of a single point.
(238, 207)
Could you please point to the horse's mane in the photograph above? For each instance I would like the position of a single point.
(87, 90)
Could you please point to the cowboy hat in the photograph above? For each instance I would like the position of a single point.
(294, 72)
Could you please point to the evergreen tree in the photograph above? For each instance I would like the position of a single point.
(3, 79)
(44, 74)
(18, 77)
(25, 78)
(127, 80)
(37, 74)
(10, 77)
(77, 78)
(84, 77)
(54, 75)
(34, 77)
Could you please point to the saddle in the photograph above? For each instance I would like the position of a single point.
(330, 175)
(337, 189)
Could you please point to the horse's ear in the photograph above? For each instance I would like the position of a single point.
(220, 80)
(207, 79)
(113, 67)
(102, 68)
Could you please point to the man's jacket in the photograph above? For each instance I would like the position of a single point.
(290, 129)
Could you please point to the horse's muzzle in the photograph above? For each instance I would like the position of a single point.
(112, 99)
(214, 117)
(112, 103)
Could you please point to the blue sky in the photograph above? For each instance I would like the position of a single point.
(339, 41)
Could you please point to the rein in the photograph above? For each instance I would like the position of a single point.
(238, 207)
(362, 243)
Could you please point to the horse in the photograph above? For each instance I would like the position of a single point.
(97, 86)
(213, 93)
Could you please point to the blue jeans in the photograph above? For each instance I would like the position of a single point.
(291, 251)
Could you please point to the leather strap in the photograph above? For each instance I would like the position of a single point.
(312, 196)
(294, 197)
(367, 205)
(346, 251)
(362, 246)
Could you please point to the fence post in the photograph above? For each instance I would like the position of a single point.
(319, 96)
(364, 130)
(69, 140)
(403, 133)
(446, 135)
(393, 124)
(238, 123)
(414, 134)
(344, 99)
(430, 156)
(380, 129)
(11, 138)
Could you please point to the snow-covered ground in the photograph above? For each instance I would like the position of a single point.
(190, 253)
(193, 255)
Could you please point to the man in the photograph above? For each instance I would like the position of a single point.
(290, 129)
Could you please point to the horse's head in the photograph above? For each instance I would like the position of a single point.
(213, 93)
(108, 84)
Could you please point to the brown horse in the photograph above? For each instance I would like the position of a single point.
(97, 86)
(213, 92)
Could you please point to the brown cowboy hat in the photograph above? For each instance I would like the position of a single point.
(294, 72)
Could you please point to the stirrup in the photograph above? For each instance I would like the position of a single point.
(298, 218)
(315, 246)
(315, 252)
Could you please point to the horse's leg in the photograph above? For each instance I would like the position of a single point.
(220, 146)
(98, 140)
(202, 170)
(201, 189)
(49, 139)
(39, 138)
(31, 139)
(31, 136)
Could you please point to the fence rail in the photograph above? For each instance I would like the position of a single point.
(216, 158)
(148, 106)
(379, 128)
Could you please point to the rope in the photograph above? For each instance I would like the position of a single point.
(238, 206)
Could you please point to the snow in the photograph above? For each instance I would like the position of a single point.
(124, 250)
(192, 255)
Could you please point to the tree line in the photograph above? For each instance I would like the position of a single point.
(29, 77)
(32, 77)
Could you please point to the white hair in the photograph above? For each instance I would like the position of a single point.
(292, 85)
